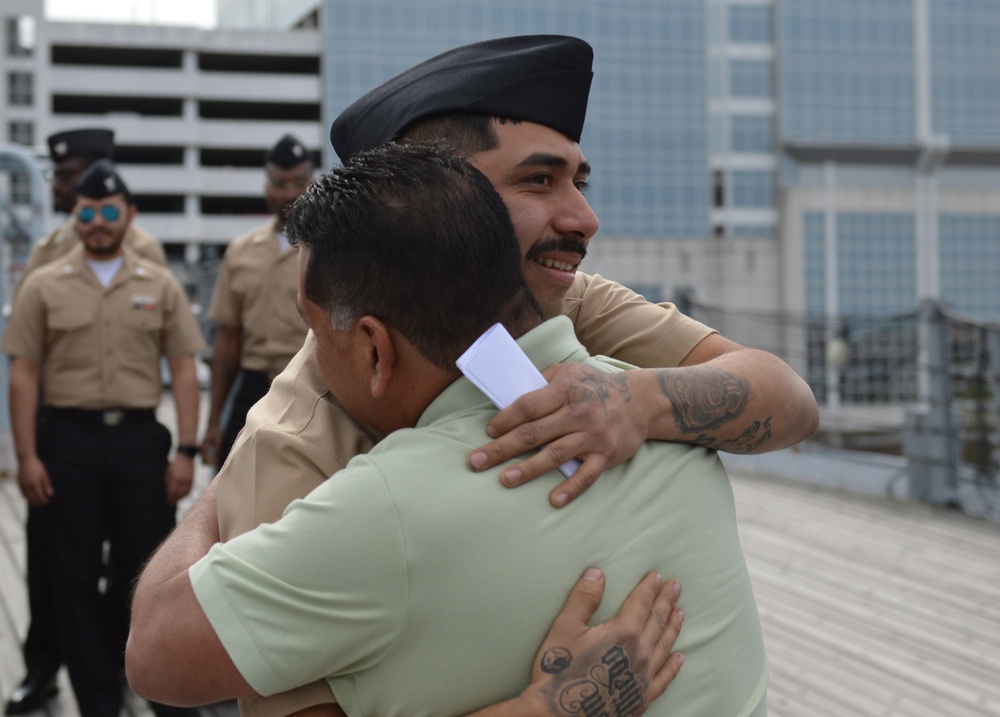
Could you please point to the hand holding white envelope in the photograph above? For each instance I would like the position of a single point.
(498, 367)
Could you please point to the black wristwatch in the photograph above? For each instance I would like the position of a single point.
(188, 449)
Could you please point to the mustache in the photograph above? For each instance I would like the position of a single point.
(563, 243)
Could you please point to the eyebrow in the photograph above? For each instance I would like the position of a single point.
(546, 159)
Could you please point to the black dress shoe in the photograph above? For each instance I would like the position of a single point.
(32, 695)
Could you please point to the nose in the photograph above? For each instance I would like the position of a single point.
(577, 218)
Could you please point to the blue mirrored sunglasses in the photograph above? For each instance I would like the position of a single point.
(110, 213)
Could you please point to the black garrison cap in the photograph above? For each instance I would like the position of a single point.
(535, 78)
(95, 142)
(101, 181)
(287, 153)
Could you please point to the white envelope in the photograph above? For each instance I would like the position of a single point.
(500, 369)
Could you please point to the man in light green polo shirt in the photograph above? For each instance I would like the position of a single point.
(410, 583)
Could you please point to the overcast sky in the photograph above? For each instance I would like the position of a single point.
(161, 12)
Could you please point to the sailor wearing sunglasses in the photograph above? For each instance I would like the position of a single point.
(86, 338)
(72, 152)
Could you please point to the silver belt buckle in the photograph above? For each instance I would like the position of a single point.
(112, 418)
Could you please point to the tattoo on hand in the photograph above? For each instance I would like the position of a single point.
(753, 437)
(556, 660)
(600, 385)
(707, 398)
(611, 689)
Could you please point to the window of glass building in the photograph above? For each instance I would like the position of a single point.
(750, 23)
(753, 189)
(717, 77)
(21, 133)
(717, 134)
(815, 263)
(752, 133)
(753, 231)
(20, 89)
(970, 263)
(876, 263)
(716, 23)
(750, 78)
(718, 189)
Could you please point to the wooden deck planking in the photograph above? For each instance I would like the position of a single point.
(869, 606)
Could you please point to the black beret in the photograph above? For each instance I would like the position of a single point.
(287, 153)
(87, 142)
(535, 78)
(100, 181)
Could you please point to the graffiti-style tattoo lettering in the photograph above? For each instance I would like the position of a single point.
(611, 689)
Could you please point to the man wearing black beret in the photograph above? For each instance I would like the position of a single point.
(254, 303)
(86, 338)
(72, 152)
(515, 107)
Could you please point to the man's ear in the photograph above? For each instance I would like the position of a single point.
(380, 354)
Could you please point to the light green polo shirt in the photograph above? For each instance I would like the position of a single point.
(417, 587)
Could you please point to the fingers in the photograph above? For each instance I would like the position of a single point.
(571, 488)
(637, 609)
(662, 626)
(673, 661)
(529, 407)
(517, 440)
(583, 601)
(659, 632)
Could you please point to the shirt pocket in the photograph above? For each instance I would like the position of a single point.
(140, 343)
(67, 319)
(142, 320)
(72, 339)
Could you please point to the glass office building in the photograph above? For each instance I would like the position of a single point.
(852, 146)
(890, 122)
(646, 130)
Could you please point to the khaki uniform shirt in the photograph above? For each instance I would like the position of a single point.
(99, 347)
(64, 238)
(256, 292)
(296, 436)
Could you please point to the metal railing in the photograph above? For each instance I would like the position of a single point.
(934, 372)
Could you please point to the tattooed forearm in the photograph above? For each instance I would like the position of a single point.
(753, 437)
(706, 398)
(609, 688)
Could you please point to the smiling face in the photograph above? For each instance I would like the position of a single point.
(102, 236)
(541, 175)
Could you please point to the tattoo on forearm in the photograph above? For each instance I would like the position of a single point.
(753, 437)
(707, 398)
(610, 689)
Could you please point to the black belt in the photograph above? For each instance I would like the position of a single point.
(110, 417)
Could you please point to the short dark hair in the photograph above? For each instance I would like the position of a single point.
(463, 133)
(417, 238)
